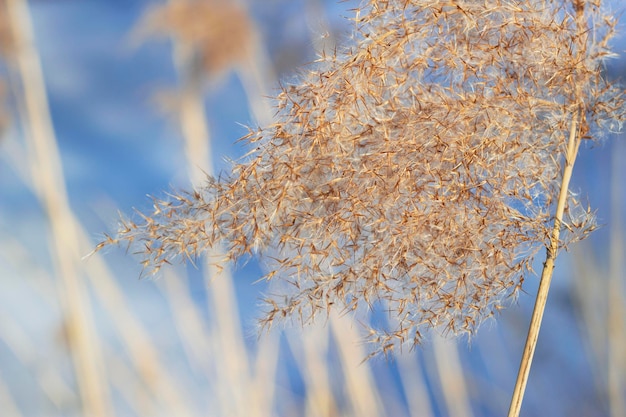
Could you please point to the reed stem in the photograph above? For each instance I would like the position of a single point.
(546, 274)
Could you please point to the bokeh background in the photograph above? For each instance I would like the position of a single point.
(107, 101)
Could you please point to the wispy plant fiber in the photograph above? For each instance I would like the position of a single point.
(419, 167)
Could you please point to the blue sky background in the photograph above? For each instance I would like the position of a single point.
(117, 147)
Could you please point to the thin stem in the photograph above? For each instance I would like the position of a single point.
(546, 275)
(49, 186)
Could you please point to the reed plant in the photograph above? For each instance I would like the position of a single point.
(354, 176)
(421, 168)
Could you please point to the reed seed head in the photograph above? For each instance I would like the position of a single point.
(220, 32)
(417, 168)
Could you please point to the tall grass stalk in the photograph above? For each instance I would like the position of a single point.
(616, 313)
(311, 352)
(68, 236)
(10, 408)
(414, 387)
(146, 360)
(24, 348)
(548, 269)
(451, 378)
(360, 385)
(50, 188)
(599, 295)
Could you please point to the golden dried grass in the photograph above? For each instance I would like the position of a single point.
(220, 32)
(420, 167)
(7, 43)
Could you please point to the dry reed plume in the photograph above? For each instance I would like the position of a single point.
(420, 167)
(6, 38)
(219, 31)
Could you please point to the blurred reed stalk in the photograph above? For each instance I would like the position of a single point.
(451, 377)
(42, 286)
(47, 175)
(206, 49)
(360, 385)
(616, 301)
(599, 295)
(67, 238)
(310, 351)
(145, 358)
(414, 387)
(9, 407)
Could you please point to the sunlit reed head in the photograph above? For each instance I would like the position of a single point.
(417, 168)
